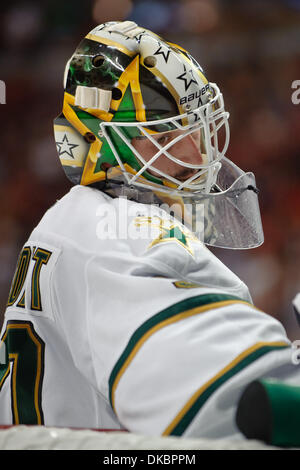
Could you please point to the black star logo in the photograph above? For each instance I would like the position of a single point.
(65, 147)
(185, 78)
(165, 54)
(137, 38)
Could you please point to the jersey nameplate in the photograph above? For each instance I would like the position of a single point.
(29, 290)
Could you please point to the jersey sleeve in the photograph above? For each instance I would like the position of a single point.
(156, 343)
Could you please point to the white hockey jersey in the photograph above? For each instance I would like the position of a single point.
(118, 317)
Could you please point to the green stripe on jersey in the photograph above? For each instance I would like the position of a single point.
(176, 312)
(184, 418)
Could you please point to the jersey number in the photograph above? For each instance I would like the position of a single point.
(23, 352)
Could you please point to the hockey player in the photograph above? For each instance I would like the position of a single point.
(119, 316)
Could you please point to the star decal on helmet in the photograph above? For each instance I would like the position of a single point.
(65, 147)
(165, 54)
(187, 80)
(137, 38)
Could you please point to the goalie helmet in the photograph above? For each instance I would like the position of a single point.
(124, 84)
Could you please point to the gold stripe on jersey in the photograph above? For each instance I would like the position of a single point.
(183, 419)
(179, 311)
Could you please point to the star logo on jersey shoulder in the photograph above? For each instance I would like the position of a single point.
(168, 231)
(65, 147)
(164, 53)
(187, 80)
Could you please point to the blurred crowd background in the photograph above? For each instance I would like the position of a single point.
(250, 48)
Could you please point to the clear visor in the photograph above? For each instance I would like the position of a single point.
(228, 217)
